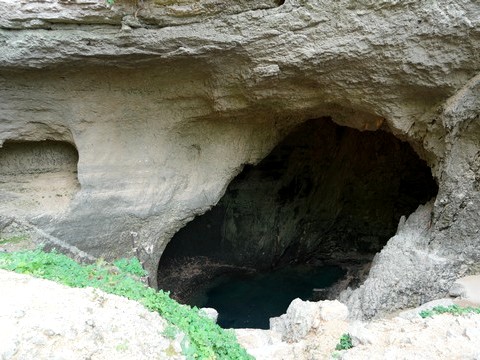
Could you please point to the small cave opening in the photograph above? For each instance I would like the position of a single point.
(37, 177)
(304, 222)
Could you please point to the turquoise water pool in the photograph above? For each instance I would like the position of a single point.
(249, 301)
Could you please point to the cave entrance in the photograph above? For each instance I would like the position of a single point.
(317, 208)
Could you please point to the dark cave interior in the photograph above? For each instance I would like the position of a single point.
(326, 195)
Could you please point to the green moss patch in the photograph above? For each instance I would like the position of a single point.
(452, 309)
(206, 340)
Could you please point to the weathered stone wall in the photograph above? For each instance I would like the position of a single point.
(165, 107)
(149, 157)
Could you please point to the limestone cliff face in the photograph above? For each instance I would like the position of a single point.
(165, 102)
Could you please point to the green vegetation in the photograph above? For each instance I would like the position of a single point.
(122, 346)
(130, 266)
(13, 239)
(170, 332)
(205, 339)
(335, 355)
(345, 342)
(452, 309)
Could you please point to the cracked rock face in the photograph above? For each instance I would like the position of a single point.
(166, 101)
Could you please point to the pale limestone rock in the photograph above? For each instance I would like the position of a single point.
(318, 343)
(333, 310)
(360, 334)
(440, 337)
(264, 344)
(210, 313)
(467, 288)
(303, 317)
(44, 320)
(473, 333)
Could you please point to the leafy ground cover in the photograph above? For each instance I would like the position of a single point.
(452, 309)
(206, 340)
(345, 342)
(12, 240)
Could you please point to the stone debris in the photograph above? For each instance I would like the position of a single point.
(439, 337)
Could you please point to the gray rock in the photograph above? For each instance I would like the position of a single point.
(457, 290)
(210, 313)
(303, 317)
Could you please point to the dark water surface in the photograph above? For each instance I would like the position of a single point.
(248, 301)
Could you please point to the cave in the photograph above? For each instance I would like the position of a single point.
(324, 201)
(37, 177)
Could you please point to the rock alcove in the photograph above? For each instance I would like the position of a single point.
(37, 177)
(324, 201)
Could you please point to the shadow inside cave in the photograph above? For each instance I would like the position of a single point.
(327, 197)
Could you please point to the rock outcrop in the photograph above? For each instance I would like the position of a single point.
(303, 317)
(321, 325)
(165, 102)
(309, 330)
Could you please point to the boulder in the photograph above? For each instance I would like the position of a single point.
(210, 313)
(303, 317)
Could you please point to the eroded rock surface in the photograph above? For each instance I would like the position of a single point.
(166, 102)
(322, 324)
(440, 337)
